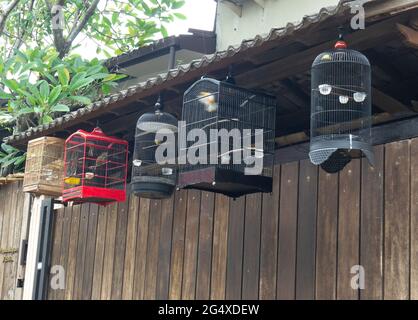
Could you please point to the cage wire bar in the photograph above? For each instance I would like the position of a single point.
(340, 108)
(212, 104)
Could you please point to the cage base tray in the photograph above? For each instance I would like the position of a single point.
(96, 195)
(230, 183)
(152, 190)
(43, 189)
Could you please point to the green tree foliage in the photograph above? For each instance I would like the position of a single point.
(116, 26)
(38, 86)
(11, 160)
(41, 77)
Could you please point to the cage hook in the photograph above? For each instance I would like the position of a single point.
(341, 43)
(341, 33)
(230, 77)
(159, 105)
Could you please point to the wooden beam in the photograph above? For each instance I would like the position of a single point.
(376, 119)
(121, 124)
(301, 62)
(144, 102)
(414, 23)
(280, 52)
(175, 90)
(414, 105)
(114, 113)
(285, 105)
(377, 8)
(293, 93)
(90, 123)
(292, 139)
(318, 36)
(410, 35)
(387, 103)
(379, 74)
(381, 134)
(387, 68)
(293, 122)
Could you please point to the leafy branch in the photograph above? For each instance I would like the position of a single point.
(43, 86)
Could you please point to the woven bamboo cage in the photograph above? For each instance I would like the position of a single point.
(44, 167)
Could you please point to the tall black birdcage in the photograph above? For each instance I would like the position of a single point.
(340, 108)
(151, 178)
(235, 128)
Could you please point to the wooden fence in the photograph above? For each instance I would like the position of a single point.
(13, 220)
(300, 242)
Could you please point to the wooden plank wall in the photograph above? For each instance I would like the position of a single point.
(11, 219)
(302, 241)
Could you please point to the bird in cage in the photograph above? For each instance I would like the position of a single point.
(101, 159)
(72, 164)
(72, 178)
(92, 170)
(208, 100)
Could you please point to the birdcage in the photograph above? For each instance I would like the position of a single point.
(44, 166)
(230, 139)
(340, 108)
(153, 177)
(95, 168)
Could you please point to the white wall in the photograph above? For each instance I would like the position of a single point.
(232, 29)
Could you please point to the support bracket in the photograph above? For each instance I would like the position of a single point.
(410, 35)
(261, 3)
(235, 8)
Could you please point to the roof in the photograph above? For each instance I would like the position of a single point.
(199, 41)
(326, 19)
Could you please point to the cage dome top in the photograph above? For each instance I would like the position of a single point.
(341, 54)
(96, 134)
(203, 80)
(154, 121)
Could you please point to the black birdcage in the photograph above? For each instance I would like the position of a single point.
(248, 118)
(151, 178)
(340, 108)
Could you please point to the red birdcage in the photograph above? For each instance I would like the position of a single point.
(95, 168)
